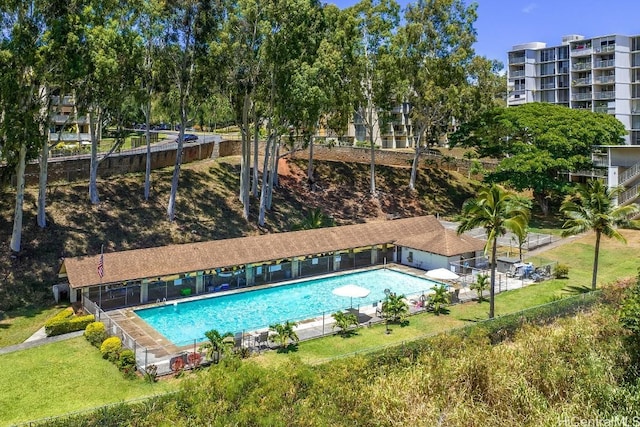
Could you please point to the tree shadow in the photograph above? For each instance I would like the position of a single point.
(289, 348)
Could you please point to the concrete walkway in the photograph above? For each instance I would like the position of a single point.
(38, 339)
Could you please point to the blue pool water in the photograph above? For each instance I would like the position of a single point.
(256, 309)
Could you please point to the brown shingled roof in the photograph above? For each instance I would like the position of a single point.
(448, 243)
(422, 233)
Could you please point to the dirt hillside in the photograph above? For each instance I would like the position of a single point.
(207, 208)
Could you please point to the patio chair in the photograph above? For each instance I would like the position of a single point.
(378, 309)
(262, 340)
(237, 340)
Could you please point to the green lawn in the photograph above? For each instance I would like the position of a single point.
(63, 377)
(616, 259)
(368, 339)
(16, 326)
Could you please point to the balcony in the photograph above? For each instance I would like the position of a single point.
(609, 94)
(581, 50)
(517, 59)
(605, 79)
(605, 110)
(516, 74)
(605, 48)
(600, 160)
(62, 100)
(581, 82)
(609, 63)
(61, 119)
(70, 137)
(401, 109)
(580, 66)
(581, 96)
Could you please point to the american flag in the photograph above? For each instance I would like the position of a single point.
(101, 266)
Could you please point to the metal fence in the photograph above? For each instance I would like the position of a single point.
(113, 329)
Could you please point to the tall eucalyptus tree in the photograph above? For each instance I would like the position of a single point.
(244, 36)
(59, 55)
(23, 100)
(149, 23)
(337, 55)
(296, 29)
(102, 72)
(436, 54)
(376, 21)
(190, 27)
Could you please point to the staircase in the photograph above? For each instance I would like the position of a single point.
(630, 177)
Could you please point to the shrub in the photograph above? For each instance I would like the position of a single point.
(110, 348)
(65, 322)
(561, 271)
(95, 333)
(151, 374)
(127, 363)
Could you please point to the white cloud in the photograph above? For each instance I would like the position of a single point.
(529, 8)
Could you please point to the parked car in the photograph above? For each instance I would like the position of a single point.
(189, 137)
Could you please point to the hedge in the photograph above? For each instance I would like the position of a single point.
(65, 322)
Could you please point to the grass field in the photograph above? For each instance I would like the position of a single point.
(63, 377)
(18, 325)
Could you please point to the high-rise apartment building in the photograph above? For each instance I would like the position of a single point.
(601, 74)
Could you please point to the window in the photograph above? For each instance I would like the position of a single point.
(547, 96)
(547, 69)
(518, 85)
(547, 55)
(563, 67)
(563, 52)
(548, 83)
(563, 81)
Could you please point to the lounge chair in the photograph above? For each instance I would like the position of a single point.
(223, 287)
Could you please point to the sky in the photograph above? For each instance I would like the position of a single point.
(501, 24)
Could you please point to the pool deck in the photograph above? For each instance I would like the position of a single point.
(153, 348)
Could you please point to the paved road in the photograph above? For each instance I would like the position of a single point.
(166, 144)
(534, 240)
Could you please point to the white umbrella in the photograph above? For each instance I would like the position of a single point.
(441, 274)
(351, 291)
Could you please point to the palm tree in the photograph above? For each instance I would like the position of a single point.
(218, 344)
(480, 285)
(496, 210)
(315, 219)
(439, 299)
(344, 322)
(394, 308)
(592, 207)
(284, 332)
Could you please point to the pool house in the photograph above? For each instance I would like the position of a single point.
(142, 276)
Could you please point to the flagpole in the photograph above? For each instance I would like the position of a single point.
(100, 273)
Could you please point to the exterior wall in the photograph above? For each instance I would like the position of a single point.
(423, 260)
(77, 167)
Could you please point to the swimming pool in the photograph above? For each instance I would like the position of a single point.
(182, 323)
